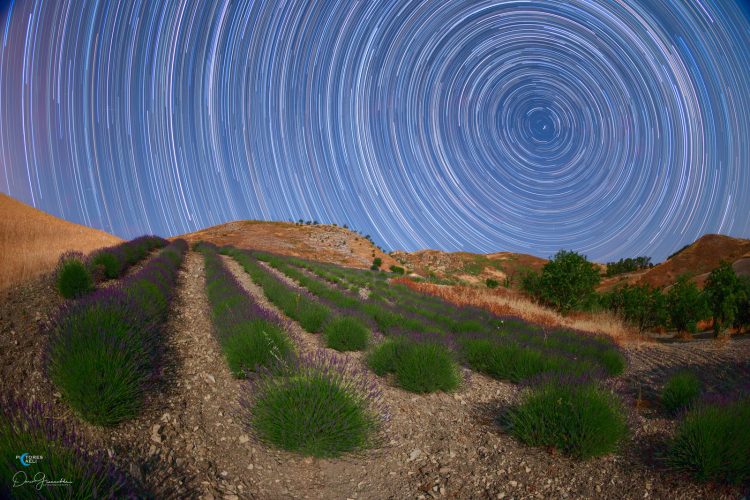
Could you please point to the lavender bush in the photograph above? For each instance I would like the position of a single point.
(28, 428)
(249, 335)
(318, 405)
(104, 350)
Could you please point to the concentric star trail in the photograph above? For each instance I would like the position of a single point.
(615, 128)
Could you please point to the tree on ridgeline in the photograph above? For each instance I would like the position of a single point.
(628, 265)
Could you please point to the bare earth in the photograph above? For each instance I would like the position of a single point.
(191, 440)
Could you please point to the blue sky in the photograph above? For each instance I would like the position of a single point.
(483, 126)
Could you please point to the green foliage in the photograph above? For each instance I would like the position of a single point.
(376, 263)
(63, 458)
(73, 278)
(640, 305)
(310, 314)
(491, 283)
(724, 294)
(507, 361)
(346, 333)
(108, 262)
(580, 419)
(313, 413)
(100, 379)
(680, 392)
(252, 344)
(687, 305)
(418, 366)
(713, 443)
(628, 265)
(567, 282)
(398, 270)
(742, 320)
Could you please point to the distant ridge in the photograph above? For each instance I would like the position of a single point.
(321, 242)
(698, 259)
(31, 241)
(469, 267)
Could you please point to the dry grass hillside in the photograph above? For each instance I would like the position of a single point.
(321, 242)
(468, 267)
(698, 259)
(504, 302)
(31, 241)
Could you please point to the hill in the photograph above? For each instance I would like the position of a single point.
(321, 242)
(468, 267)
(698, 259)
(31, 241)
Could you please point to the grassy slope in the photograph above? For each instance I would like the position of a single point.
(31, 241)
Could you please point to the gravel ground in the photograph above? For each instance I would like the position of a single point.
(191, 440)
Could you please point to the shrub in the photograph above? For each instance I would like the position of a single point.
(724, 294)
(317, 407)
(104, 349)
(680, 391)
(301, 307)
(25, 427)
(687, 305)
(346, 333)
(253, 344)
(576, 417)
(418, 366)
(713, 443)
(491, 283)
(99, 361)
(249, 335)
(108, 262)
(397, 270)
(506, 360)
(73, 276)
(376, 263)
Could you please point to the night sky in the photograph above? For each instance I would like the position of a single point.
(615, 128)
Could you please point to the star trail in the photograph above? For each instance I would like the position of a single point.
(615, 128)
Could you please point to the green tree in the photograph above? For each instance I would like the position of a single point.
(724, 293)
(742, 320)
(567, 282)
(641, 305)
(687, 305)
(491, 283)
(376, 263)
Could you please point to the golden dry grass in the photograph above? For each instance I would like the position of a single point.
(503, 302)
(31, 241)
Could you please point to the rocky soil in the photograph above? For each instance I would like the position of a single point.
(191, 440)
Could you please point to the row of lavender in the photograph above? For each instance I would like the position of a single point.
(501, 347)
(104, 350)
(315, 404)
(104, 354)
(77, 274)
(561, 407)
